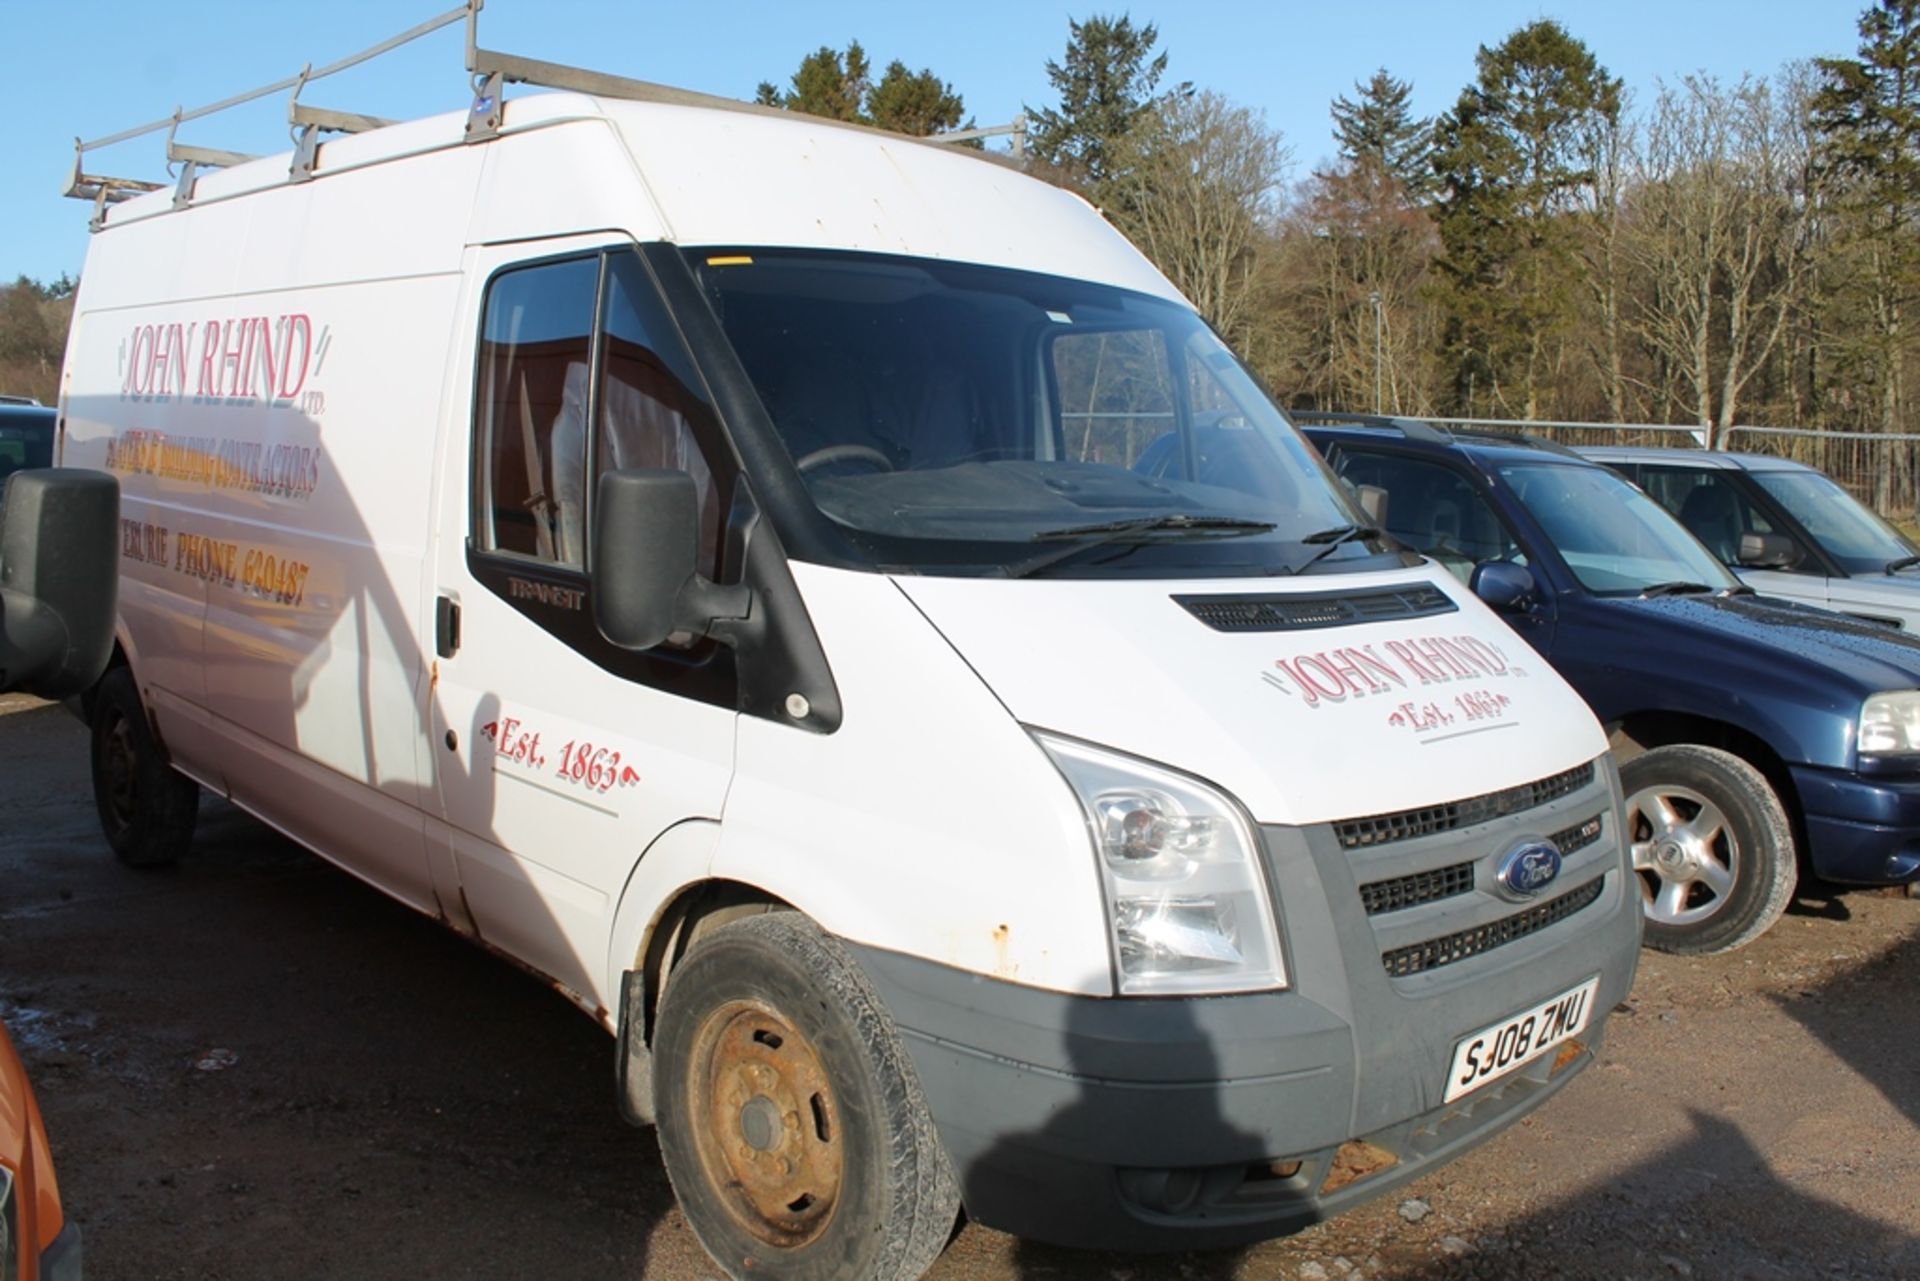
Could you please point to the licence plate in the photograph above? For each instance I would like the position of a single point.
(1492, 1052)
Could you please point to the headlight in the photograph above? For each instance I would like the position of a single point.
(1187, 904)
(1890, 723)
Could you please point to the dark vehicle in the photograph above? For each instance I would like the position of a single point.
(58, 559)
(26, 438)
(1747, 727)
(1786, 528)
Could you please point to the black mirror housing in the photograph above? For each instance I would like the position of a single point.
(1502, 584)
(1768, 551)
(646, 583)
(59, 582)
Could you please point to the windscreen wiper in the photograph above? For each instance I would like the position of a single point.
(1904, 562)
(1681, 588)
(1081, 538)
(1333, 538)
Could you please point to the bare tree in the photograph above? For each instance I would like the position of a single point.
(1720, 219)
(1197, 183)
(1609, 144)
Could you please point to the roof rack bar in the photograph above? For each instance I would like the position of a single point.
(206, 157)
(1017, 129)
(325, 118)
(182, 115)
(492, 71)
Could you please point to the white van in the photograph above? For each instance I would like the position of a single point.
(828, 604)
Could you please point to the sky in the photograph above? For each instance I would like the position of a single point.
(91, 68)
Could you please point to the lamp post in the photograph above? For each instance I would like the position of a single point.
(1378, 399)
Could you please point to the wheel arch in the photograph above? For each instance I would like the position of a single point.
(671, 899)
(1639, 732)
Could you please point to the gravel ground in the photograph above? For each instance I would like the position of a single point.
(254, 1066)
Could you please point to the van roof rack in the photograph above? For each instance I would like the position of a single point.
(490, 71)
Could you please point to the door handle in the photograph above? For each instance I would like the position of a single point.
(446, 626)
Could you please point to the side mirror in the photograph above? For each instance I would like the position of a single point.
(59, 566)
(1502, 584)
(1373, 501)
(646, 585)
(1768, 551)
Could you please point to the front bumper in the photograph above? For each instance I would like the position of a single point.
(1171, 1124)
(1860, 830)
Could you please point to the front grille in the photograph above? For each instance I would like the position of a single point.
(1307, 611)
(1577, 837)
(1434, 953)
(1405, 825)
(1400, 892)
(1422, 887)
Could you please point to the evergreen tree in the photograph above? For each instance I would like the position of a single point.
(828, 83)
(840, 86)
(1866, 117)
(1107, 85)
(914, 102)
(1513, 159)
(1378, 129)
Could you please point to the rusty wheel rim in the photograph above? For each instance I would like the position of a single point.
(766, 1128)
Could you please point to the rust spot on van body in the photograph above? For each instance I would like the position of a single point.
(1003, 963)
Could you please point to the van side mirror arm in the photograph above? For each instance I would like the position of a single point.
(647, 586)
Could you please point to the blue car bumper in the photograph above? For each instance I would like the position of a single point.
(1860, 831)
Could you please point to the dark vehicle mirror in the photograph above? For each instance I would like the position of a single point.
(1373, 501)
(59, 551)
(646, 587)
(1768, 551)
(1502, 584)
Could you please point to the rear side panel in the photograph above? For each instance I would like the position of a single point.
(264, 374)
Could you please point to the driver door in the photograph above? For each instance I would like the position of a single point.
(560, 757)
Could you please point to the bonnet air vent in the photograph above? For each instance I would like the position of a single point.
(1290, 612)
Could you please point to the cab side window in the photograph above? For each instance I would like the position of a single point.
(581, 373)
(1711, 506)
(1433, 509)
(535, 348)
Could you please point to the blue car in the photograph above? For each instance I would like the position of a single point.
(26, 437)
(1747, 728)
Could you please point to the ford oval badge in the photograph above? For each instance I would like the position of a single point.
(1528, 869)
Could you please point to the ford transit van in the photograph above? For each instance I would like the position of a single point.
(829, 605)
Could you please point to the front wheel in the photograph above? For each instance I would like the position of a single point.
(791, 1121)
(1711, 847)
(147, 809)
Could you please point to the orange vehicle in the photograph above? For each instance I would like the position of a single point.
(36, 1241)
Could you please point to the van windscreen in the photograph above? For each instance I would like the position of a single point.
(967, 419)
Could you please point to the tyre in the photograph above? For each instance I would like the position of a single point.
(790, 1119)
(1711, 847)
(147, 809)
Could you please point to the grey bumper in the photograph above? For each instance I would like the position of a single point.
(1197, 1123)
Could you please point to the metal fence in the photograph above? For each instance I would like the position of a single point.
(1879, 469)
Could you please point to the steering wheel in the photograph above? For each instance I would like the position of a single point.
(843, 454)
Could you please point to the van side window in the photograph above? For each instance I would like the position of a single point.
(650, 413)
(535, 347)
